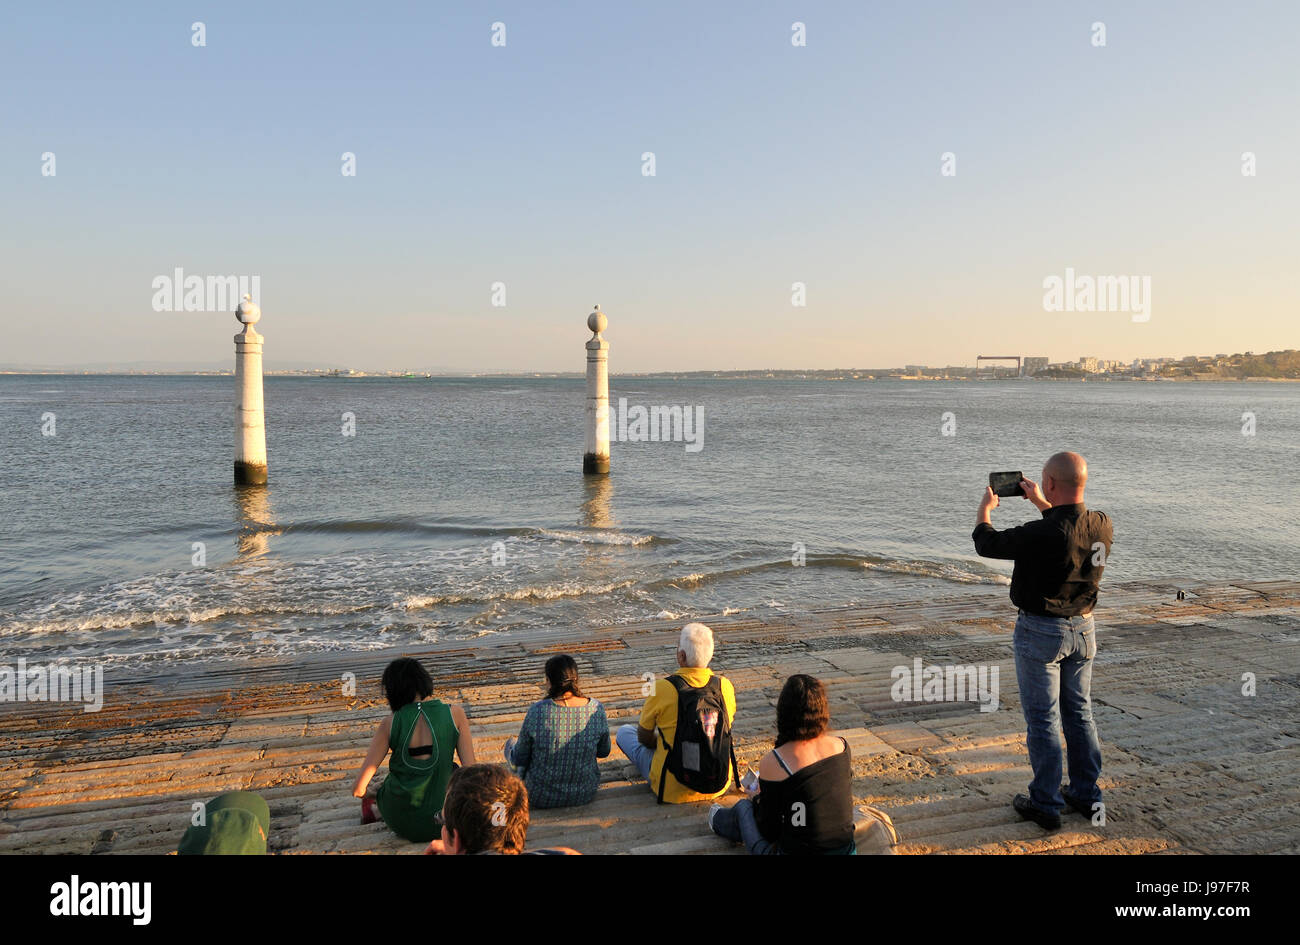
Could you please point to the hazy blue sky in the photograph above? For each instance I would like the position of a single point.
(522, 164)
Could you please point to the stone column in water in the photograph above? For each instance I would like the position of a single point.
(250, 418)
(595, 457)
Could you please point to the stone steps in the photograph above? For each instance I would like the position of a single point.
(1191, 765)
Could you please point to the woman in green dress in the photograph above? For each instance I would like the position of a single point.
(421, 733)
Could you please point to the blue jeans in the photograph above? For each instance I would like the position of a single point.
(1054, 671)
(739, 825)
(638, 754)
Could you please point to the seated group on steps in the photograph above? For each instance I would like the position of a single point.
(799, 801)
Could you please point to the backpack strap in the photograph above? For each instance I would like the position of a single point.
(735, 767)
(681, 685)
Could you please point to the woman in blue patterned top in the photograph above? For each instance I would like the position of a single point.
(561, 738)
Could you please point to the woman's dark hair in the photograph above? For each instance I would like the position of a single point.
(802, 711)
(562, 675)
(406, 681)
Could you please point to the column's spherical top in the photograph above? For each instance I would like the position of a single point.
(248, 311)
(597, 321)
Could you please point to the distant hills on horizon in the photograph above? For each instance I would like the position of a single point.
(1272, 364)
(186, 367)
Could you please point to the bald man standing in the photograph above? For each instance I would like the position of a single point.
(1059, 561)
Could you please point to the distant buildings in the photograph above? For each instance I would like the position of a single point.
(1281, 364)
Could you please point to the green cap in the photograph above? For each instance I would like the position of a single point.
(235, 823)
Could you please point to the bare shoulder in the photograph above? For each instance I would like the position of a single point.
(769, 769)
(458, 715)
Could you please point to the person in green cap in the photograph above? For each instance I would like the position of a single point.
(234, 823)
(421, 733)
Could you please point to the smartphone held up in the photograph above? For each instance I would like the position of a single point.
(1006, 484)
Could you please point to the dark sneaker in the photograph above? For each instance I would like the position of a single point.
(1081, 806)
(1026, 809)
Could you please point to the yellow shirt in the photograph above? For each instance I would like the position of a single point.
(660, 712)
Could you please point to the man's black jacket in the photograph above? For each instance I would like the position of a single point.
(1059, 559)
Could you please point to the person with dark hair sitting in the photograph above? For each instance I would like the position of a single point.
(421, 733)
(560, 740)
(805, 799)
(486, 812)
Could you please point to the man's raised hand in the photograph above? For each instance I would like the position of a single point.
(1034, 494)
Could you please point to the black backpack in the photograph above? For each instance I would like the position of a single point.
(702, 757)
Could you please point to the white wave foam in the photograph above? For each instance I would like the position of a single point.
(931, 570)
(551, 592)
(597, 537)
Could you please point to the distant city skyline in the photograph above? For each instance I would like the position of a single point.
(931, 183)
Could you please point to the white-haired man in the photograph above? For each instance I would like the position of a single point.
(682, 742)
